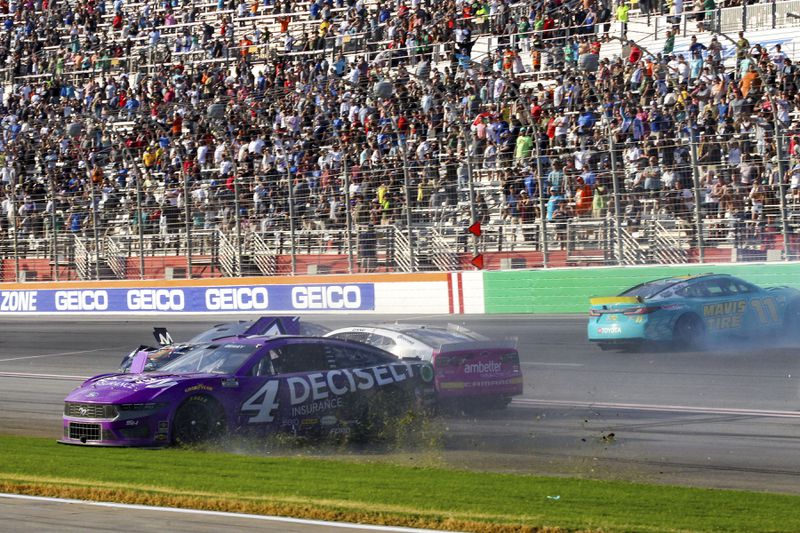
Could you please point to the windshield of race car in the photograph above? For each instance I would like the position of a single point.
(650, 289)
(212, 359)
(223, 330)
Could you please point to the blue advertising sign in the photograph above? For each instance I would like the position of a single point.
(312, 297)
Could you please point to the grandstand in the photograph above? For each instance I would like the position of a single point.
(203, 139)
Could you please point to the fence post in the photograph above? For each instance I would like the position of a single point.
(401, 145)
(15, 228)
(140, 222)
(237, 221)
(781, 182)
(285, 145)
(616, 192)
(348, 213)
(468, 149)
(95, 232)
(774, 15)
(187, 214)
(540, 186)
(696, 178)
(53, 229)
(744, 17)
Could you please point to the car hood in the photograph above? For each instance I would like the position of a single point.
(115, 388)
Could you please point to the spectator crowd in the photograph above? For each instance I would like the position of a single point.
(173, 114)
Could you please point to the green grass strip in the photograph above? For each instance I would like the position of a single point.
(381, 493)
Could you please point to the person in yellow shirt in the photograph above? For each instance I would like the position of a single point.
(323, 28)
(381, 192)
(622, 17)
(149, 157)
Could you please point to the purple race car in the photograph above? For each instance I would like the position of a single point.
(266, 326)
(306, 386)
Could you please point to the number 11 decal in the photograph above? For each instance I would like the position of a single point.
(263, 401)
(766, 310)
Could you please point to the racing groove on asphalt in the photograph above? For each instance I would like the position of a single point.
(728, 417)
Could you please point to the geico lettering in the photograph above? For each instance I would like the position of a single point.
(155, 300)
(81, 300)
(18, 300)
(326, 297)
(365, 380)
(237, 299)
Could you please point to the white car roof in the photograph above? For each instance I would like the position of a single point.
(431, 336)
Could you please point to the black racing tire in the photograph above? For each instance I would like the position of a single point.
(791, 321)
(605, 346)
(689, 332)
(197, 420)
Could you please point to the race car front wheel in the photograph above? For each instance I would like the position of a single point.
(198, 419)
(689, 332)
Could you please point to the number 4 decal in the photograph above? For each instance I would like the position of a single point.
(263, 401)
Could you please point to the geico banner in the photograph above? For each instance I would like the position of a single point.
(316, 297)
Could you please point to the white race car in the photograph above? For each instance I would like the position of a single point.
(467, 365)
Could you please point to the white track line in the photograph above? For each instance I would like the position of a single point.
(57, 354)
(41, 376)
(288, 520)
(542, 363)
(530, 402)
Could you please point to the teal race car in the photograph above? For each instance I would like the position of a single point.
(689, 310)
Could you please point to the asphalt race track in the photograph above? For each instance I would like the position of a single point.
(728, 417)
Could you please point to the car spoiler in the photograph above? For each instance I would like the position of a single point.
(274, 325)
(606, 300)
(455, 328)
(508, 344)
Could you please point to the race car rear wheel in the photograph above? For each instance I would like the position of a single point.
(198, 419)
(689, 332)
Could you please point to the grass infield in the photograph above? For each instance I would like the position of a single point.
(379, 492)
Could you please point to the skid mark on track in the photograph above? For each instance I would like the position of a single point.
(543, 363)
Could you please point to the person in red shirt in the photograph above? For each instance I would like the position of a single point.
(635, 55)
(536, 110)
